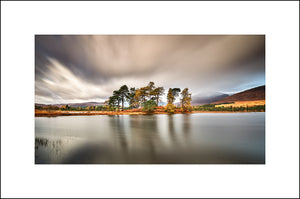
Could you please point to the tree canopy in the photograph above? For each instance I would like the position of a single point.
(149, 106)
(124, 92)
(148, 98)
(170, 107)
(186, 100)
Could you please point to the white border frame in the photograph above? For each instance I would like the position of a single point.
(20, 21)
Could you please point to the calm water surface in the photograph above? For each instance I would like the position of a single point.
(226, 138)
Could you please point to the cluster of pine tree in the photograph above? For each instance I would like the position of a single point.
(148, 98)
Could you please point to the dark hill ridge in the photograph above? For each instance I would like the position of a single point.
(200, 100)
(257, 93)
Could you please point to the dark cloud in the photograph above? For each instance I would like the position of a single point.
(83, 67)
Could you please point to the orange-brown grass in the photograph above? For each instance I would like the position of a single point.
(244, 103)
(159, 110)
(53, 113)
(138, 111)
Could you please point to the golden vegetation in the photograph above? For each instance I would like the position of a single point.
(243, 103)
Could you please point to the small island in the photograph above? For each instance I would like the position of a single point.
(145, 100)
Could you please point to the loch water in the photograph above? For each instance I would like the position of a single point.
(197, 138)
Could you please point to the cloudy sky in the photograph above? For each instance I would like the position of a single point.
(82, 68)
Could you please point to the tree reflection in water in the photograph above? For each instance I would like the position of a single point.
(151, 139)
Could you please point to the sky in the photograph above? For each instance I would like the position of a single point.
(86, 68)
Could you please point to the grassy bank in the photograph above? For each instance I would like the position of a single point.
(54, 113)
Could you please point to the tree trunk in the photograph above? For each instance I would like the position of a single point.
(182, 104)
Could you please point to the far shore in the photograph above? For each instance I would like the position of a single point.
(54, 113)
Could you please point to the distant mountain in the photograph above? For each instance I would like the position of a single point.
(200, 100)
(85, 104)
(257, 93)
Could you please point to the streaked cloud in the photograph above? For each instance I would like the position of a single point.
(72, 68)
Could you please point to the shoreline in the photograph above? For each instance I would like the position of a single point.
(80, 113)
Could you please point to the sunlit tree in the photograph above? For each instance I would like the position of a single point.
(170, 107)
(185, 100)
(157, 92)
(137, 98)
(143, 93)
(170, 97)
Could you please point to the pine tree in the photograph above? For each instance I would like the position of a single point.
(150, 88)
(186, 100)
(170, 107)
(117, 96)
(157, 92)
(123, 94)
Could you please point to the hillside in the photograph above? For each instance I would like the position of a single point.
(253, 94)
(85, 104)
(200, 100)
